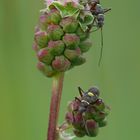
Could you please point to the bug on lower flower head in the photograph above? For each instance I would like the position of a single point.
(87, 98)
(87, 113)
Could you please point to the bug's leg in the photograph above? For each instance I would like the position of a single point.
(101, 52)
(76, 98)
(106, 10)
(80, 91)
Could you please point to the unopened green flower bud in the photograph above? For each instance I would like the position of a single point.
(82, 35)
(46, 69)
(53, 16)
(41, 39)
(102, 123)
(54, 32)
(71, 41)
(56, 47)
(100, 116)
(79, 133)
(69, 24)
(72, 55)
(79, 61)
(85, 46)
(45, 56)
(91, 128)
(61, 64)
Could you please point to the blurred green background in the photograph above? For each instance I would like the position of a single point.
(25, 92)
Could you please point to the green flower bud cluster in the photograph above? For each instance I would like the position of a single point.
(89, 121)
(60, 39)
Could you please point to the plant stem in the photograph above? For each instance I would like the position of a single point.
(54, 106)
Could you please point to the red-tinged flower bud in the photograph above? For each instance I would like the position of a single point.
(61, 64)
(37, 28)
(53, 17)
(55, 32)
(69, 118)
(41, 39)
(85, 46)
(35, 47)
(73, 105)
(89, 113)
(45, 56)
(46, 69)
(72, 55)
(102, 123)
(43, 21)
(91, 128)
(82, 35)
(71, 41)
(99, 105)
(79, 133)
(56, 47)
(69, 24)
(78, 121)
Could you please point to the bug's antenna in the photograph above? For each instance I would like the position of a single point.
(101, 52)
(80, 91)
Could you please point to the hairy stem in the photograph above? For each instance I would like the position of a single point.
(54, 106)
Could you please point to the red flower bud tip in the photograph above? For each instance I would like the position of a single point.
(37, 29)
(56, 47)
(55, 32)
(69, 24)
(35, 47)
(53, 16)
(61, 64)
(74, 105)
(100, 105)
(91, 128)
(43, 18)
(41, 38)
(45, 69)
(45, 56)
(69, 118)
(71, 41)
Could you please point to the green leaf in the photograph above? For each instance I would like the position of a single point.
(67, 10)
(86, 20)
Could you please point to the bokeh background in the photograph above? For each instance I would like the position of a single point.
(25, 92)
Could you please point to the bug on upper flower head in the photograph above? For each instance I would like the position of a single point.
(98, 12)
(87, 98)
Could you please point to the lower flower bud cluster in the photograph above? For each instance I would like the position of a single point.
(59, 42)
(89, 121)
